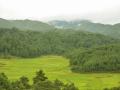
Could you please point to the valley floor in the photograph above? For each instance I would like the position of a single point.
(57, 67)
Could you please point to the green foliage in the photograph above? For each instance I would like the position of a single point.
(58, 83)
(41, 84)
(100, 59)
(22, 84)
(31, 44)
(40, 76)
(70, 87)
(4, 83)
(46, 85)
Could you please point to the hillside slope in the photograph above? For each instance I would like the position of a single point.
(85, 25)
(25, 25)
(31, 44)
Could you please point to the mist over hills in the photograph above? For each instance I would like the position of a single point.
(86, 25)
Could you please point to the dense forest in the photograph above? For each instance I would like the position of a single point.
(14, 42)
(101, 59)
(40, 82)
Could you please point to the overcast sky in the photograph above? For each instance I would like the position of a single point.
(105, 11)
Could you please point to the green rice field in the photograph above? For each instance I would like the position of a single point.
(57, 67)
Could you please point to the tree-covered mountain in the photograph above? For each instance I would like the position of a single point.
(100, 59)
(25, 25)
(106, 29)
(32, 43)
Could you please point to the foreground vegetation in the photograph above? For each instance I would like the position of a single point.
(57, 67)
(40, 82)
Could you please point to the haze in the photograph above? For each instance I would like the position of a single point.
(104, 11)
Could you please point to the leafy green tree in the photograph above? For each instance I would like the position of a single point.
(17, 85)
(70, 87)
(58, 84)
(22, 84)
(44, 85)
(4, 83)
(25, 81)
(40, 76)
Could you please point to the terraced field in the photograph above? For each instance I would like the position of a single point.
(57, 67)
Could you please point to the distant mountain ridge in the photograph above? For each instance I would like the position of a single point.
(86, 25)
(25, 25)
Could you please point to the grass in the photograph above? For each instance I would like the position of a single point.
(57, 67)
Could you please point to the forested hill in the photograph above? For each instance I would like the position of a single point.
(31, 43)
(85, 25)
(25, 25)
(101, 59)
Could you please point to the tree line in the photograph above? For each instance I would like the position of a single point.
(100, 59)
